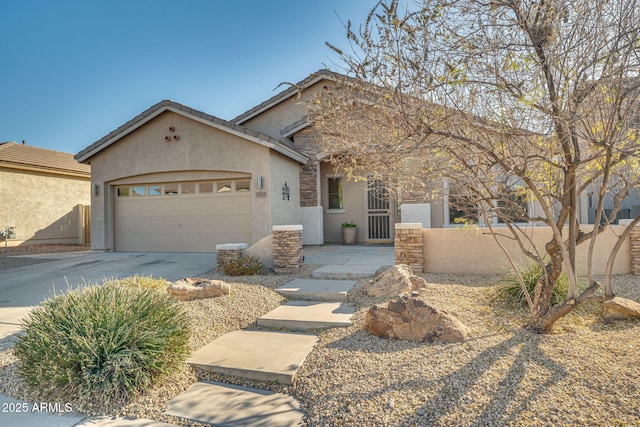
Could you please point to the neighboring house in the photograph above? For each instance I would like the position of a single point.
(44, 194)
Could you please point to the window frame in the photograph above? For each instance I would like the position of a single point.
(341, 209)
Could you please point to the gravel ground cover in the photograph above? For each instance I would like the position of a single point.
(584, 374)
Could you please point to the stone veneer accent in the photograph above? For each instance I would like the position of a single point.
(305, 141)
(408, 245)
(228, 252)
(635, 251)
(287, 248)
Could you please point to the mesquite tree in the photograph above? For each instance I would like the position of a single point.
(513, 103)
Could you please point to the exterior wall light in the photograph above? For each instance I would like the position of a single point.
(285, 191)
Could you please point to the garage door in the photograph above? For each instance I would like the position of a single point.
(182, 216)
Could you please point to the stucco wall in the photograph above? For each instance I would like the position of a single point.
(354, 207)
(459, 250)
(201, 151)
(41, 206)
(284, 114)
(284, 211)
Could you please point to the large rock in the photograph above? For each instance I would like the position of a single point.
(620, 308)
(414, 320)
(189, 289)
(394, 281)
(263, 250)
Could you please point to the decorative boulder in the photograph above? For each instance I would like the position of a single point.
(189, 289)
(620, 308)
(414, 320)
(394, 281)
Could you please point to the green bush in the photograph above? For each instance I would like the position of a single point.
(510, 292)
(244, 266)
(100, 345)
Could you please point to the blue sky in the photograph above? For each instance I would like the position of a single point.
(72, 71)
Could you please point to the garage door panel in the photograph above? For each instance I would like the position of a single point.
(192, 224)
(171, 207)
(182, 223)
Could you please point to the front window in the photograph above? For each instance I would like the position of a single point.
(335, 193)
(513, 206)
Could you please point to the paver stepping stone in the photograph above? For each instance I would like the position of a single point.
(231, 405)
(317, 289)
(343, 271)
(259, 355)
(305, 315)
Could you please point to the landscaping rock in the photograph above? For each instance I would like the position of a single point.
(414, 320)
(189, 289)
(394, 281)
(263, 250)
(620, 308)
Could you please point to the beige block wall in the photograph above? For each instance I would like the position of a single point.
(474, 251)
(42, 206)
(201, 151)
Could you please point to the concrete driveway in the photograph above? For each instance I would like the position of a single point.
(24, 287)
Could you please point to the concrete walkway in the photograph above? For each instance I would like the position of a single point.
(280, 354)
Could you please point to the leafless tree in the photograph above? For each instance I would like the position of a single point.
(512, 102)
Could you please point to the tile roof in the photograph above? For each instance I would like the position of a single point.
(281, 145)
(26, 157)
(292, 90)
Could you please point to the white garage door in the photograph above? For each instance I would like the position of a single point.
(182, 216)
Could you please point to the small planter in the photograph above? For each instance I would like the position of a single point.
(349, 233)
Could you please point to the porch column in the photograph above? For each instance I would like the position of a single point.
(408, 244)
(228, 253)
(287, 248)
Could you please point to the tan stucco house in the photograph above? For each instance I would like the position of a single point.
(177, 179)
(44, 194)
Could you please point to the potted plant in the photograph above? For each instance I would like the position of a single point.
(349, 233)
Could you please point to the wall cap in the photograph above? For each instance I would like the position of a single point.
(231, 246)
(287, 228)
(408, 225)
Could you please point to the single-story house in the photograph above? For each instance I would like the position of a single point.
(178, 179)
(44, 194)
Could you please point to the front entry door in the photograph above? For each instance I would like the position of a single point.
(379, 212)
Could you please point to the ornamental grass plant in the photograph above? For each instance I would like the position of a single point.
(511, 293)
(101, 345)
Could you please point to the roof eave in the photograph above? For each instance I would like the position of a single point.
(293, 90)
(85, 155)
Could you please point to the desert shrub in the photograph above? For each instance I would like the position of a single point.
(100, 345)
(244, 266)
(510, 292)
(146, 282)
